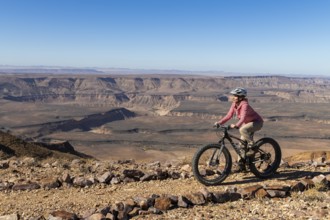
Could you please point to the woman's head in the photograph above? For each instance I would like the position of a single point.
(239, 94)
(239, 91)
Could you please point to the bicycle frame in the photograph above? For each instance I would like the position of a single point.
(230, 137)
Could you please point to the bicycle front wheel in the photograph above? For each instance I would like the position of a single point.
(267, 158)
(210, 166)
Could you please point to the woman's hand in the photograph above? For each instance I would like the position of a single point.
(233, 126)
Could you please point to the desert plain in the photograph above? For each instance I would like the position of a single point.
(160, 117)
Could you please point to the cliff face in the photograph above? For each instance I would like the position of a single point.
(161, 92)
(86, 123)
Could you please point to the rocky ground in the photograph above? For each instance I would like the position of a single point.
(89, 189)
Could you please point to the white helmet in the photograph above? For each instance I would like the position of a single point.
(239, 92)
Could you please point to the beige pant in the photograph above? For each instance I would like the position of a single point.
(247, 130)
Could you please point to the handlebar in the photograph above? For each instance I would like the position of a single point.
(226, 127)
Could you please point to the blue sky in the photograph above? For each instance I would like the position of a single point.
(243, 36)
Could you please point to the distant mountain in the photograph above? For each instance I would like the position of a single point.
(157, 91)
(59, 70)
(47, 70)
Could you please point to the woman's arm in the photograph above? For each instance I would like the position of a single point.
(229, 115)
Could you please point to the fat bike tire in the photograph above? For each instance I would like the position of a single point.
(267, 158)
(211, 170)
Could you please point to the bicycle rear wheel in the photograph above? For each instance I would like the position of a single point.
(267, 158)
(210, 166)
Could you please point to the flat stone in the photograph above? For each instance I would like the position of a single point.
(308, 183)
(9, 217)
(105, 178)
(50, 183)
(261, 193)
(28, 186)
(277, 193)
(221, 197)
(196, 198)
(249, 192)
(96, 216)
(320, 179)
(298, 187)
(183, 202)
(62, 215)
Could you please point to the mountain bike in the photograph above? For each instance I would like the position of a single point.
(212, 163)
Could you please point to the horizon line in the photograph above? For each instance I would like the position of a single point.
(126, 70)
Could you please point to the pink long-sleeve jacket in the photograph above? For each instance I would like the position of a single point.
(244, 113)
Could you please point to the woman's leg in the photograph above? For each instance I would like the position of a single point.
(248, 129)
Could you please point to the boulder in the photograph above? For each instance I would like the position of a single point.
(105, 178)
(163, 203)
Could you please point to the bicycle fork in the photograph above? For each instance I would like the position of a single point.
(214, 159)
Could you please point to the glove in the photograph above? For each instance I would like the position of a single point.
(216, 124)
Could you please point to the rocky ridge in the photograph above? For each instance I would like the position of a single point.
(160, 92)
(91, 189)
(11, 145)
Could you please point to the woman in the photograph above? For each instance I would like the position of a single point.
(249, 120)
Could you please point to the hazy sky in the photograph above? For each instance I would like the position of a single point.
(248, 36)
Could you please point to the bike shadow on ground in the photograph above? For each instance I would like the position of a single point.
(283, 175)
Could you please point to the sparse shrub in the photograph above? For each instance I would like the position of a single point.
(146, 148)
(313, 195)
(321, 187)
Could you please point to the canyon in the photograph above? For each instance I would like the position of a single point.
(157, 114)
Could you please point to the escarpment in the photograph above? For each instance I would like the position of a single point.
(160, 92)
